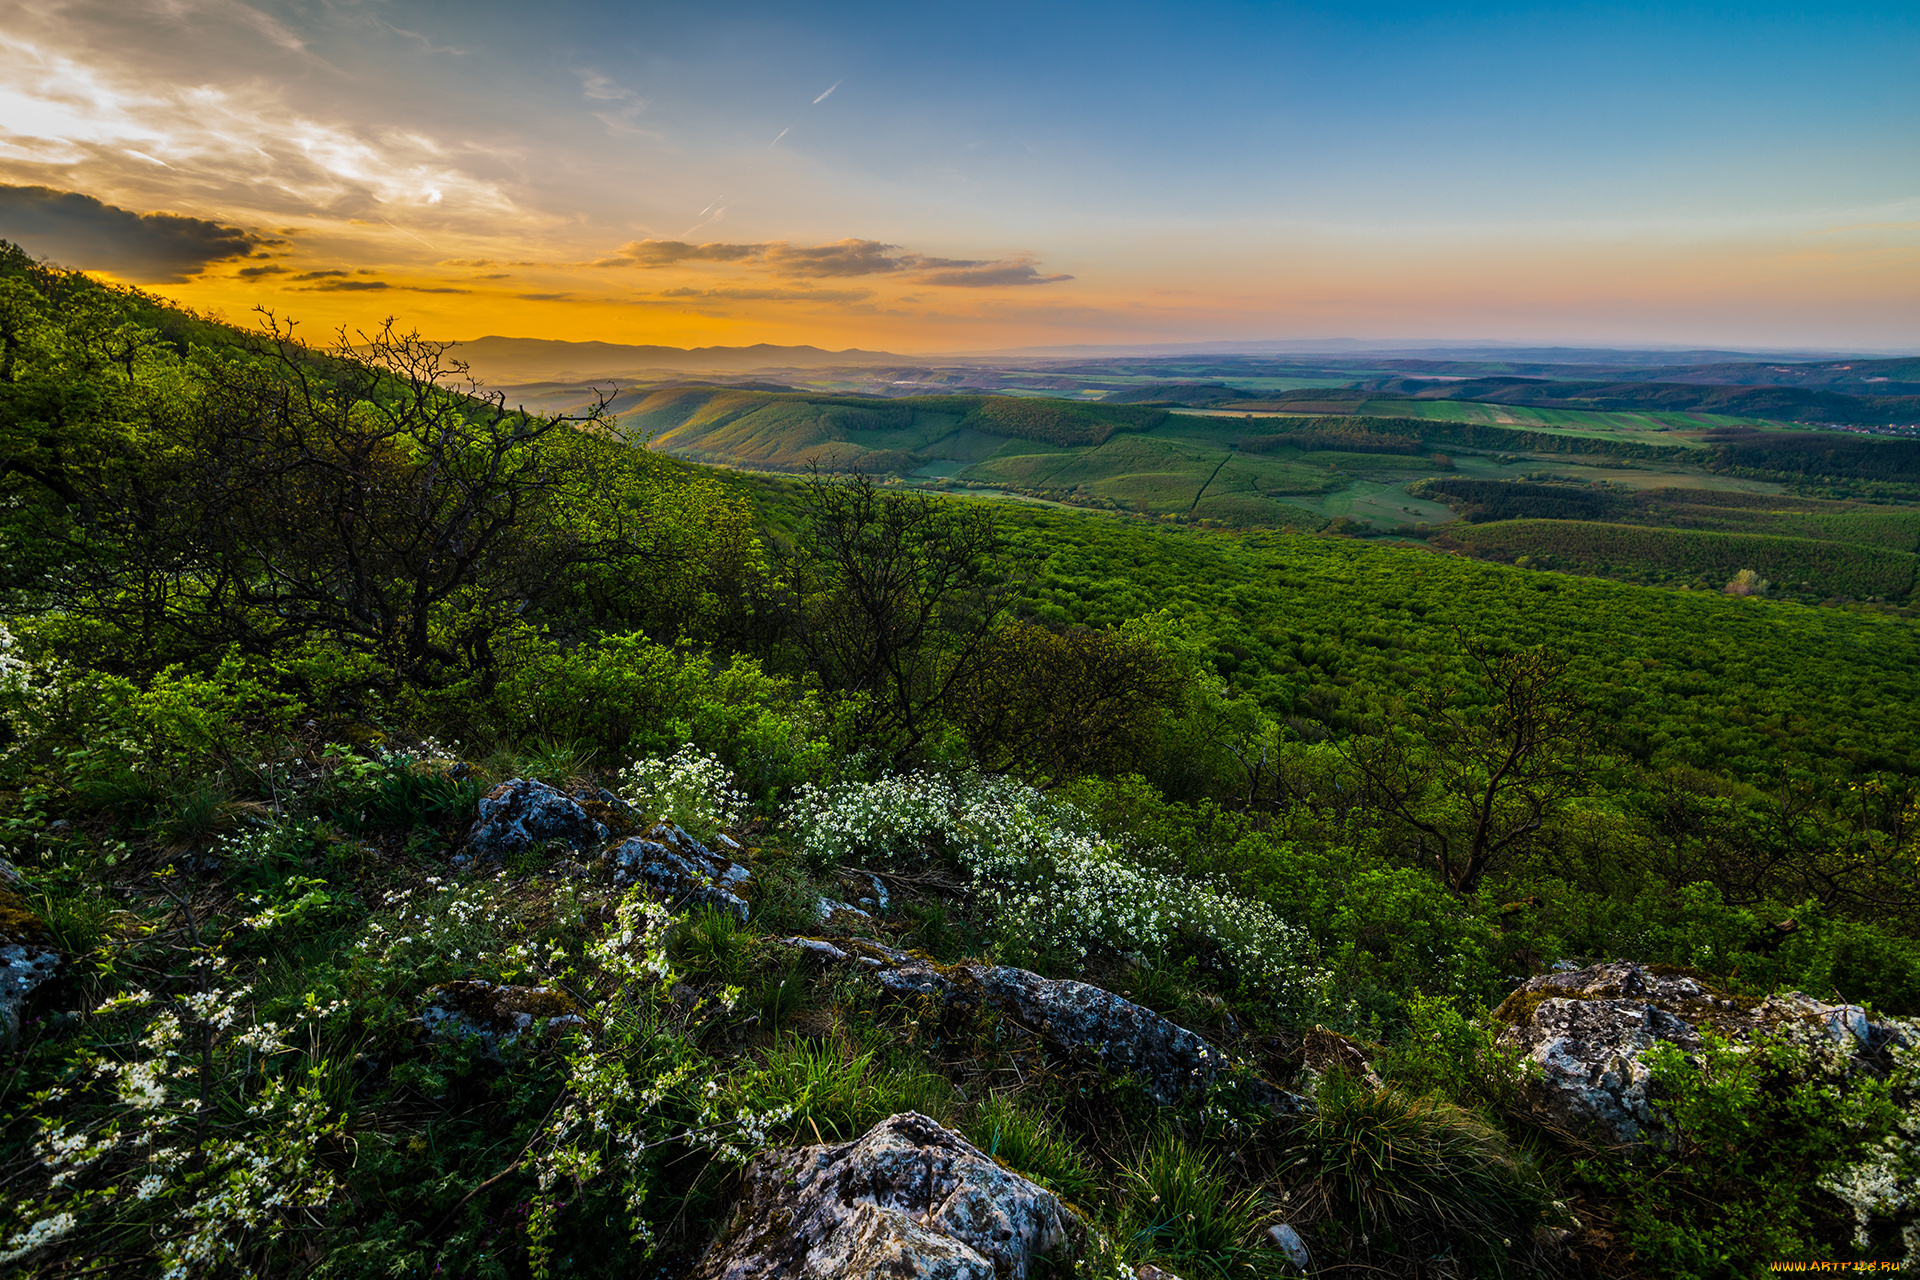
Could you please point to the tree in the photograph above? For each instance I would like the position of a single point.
(1478, 783)
(1055, 702)
(895, 598)
(348, 496)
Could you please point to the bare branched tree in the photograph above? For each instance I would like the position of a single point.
(1474, 784)
(895, 596)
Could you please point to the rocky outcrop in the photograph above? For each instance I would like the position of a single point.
(1123, 1036)
(1589, 1030)
(681, 871)
(28, 959)
(521, 812)
(910, 1199)
(496, 1016)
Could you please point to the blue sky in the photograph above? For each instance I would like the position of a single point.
(1534, 173)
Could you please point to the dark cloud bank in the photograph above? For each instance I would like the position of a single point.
(77, 230)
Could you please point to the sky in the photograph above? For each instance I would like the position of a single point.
(930, 178)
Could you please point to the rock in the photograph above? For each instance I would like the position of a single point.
(1073, 1015)
(840, 915)
(27, 959)
(910, 1199)
(1284, 1238)
(1147, 1271)
(681, 871)
(520, 812)
(1590, 1029)
(10, 876)
(497, 1015)
(1323, 1050)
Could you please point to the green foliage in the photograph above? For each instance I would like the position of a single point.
(713, 945)
(1032, 1146)
(1766, 1156)
(1687, 556)
(1390, 1166)
(827, 1088)
(1181, 1206)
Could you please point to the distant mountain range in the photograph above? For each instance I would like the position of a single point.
(513, 360)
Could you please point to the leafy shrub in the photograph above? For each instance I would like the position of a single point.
(1777, 1151)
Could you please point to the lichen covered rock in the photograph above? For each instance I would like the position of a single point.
(1125, 1037)
(910, 1199)
(496, 1016)
(521, 812)
(1589, 1030)
(681, 871)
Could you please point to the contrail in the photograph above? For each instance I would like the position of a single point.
(776, 139)
(403, 231)
(830, 88)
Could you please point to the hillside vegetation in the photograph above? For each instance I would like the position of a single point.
(290, 631)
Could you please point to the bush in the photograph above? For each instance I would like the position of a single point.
(1398, 1170)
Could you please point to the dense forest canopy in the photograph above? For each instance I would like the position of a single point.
(279, 615)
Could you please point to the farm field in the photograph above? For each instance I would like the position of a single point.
(1611, 425)
(1644, 497)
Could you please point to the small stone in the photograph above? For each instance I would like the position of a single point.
(1283, 1237)
(1124, 1036)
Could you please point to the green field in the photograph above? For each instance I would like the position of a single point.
(1636, 496)
(1607, 425)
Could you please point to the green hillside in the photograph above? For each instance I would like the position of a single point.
(789, 432)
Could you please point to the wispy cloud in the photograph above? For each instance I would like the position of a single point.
(770, 295)
(829, 93)
(624, 106)
(842, 258)
(83, 106)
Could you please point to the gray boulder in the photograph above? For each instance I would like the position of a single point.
(681, 871)
(910, 1199)
(28, 959)
(496, 1016)
(1588, 1031)
(520, 812)
(1123, 1036)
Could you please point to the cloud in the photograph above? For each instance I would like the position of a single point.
(830, 88)
(150, 248)
(623, 104)
(254, 273)
(666, 253)
(363, 286)
(981, 275)
(319, 275)
(110, 101)
(841, 258)
(543, 297)
(771, 295)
